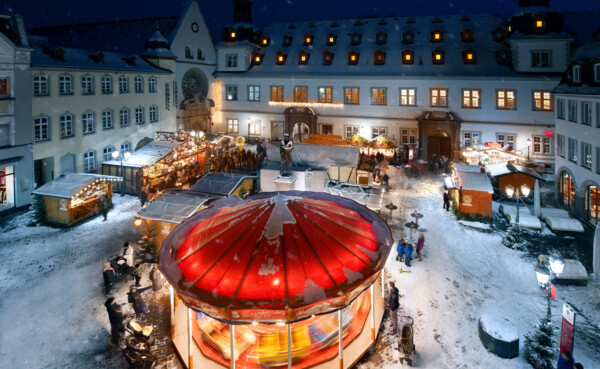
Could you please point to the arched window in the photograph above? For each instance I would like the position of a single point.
(106, 84)
(107, 119)
(153, 113)
(138, 84)
(41, 85)
(88, 123)
(87, 84)
(89, 161)
(567, 190)
(139, 115)
(188, 53)
(199, 54)
(41, 128)
(592, 204)
(66, 125)
(107, 153)
(124, 117)
(125, 147)
(65, 84)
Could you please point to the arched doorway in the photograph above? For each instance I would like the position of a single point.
(438, 144)
(300, 132)
(592, 204)
(300, 120)
(567, 190)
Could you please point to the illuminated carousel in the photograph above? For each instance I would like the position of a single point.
(279, 280)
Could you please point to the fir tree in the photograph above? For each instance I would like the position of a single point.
(539, 346)
(513, 238)
(37, 214)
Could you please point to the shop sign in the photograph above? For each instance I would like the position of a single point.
(493, 144)
(63, 204)
(567, 329)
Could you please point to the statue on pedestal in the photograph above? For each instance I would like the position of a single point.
(285, 151)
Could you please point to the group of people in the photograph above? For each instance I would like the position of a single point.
(405, 250)
(116, 316)
(439, 163)
(228, 161)
(175, 178)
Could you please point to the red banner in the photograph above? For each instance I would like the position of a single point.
(567, 330)
(494, 144)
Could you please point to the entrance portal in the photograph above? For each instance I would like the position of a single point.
(301, 131)
(438, 144)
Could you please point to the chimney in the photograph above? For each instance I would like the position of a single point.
(242, 11)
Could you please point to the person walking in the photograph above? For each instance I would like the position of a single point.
(137, 301)
(420, 244)
(137, 274)
(104, 205)
(408, 250)
(110, 277)
(156, 278)
(386, 181)
(393, 305)
(128, 254)
(446, 201)
(115, 317)
(400, 249)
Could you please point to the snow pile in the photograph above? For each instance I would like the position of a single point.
(499, 328)
(525, 217)
(563, 224)
(554, 212)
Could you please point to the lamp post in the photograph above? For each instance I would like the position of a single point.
(545, 270)
(122, 156)
(528, 147)
(510, 192)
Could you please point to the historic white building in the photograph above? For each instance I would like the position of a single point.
(438, 84)
(16, 159)
(577, 100)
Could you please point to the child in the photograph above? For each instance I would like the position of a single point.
(400, 249)
(420, 244)
(408, 250)
(137, 274)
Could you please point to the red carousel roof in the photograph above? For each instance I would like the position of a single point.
(275, 257)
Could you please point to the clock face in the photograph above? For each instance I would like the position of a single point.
(195, 27)
(194, 84)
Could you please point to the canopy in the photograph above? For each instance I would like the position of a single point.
(223, 184)
(67, 185)
(148, 154)
(275, 257)
(173, 206)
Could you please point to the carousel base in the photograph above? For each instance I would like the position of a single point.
(285, 182)
(192, 357)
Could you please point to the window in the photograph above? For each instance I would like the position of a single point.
(471, 138)
(326, 94)
(573, 150)
(505, 99)
(231, 93)
(152, 85)
(378, 96)
(573, 111)
(107, 119)
(379, 57)
(592, 204)
(287, 40)
(438, 56)
(40, 85)
(439, 97)
(355, 38)
(539, 23)
(281, 57)
(124, 117)
(303, 58)
(65, 85)
(436, 35)
(254, 128)
(597, 72)
(541, 145)
(541, 59)
(139, 115)
(253, 93)
(470, 99)
(351, 95)
(89, 161)
(87, 123)
(233, 126)
(327, 57)
(106, 84)
(378, 131)
(542, 100)
(125, 147)
(506, 139)
(408, 37)
(353, 56)
(408, 56)
(586, 155)
(300, 94)
(469, 56)
(257, 58)
(41, 128)
(381, 38)
(199, 54)
(87, 85)
(466, 35)
(123, 84)
(586, 113)
(408, 97)
(138, 84)
(408, 136)
(264, 41)
(560, 109)
(188, 53)
(560, 145)
(351, 131)
(577, 73)
(276, 93)
(231, 60)
(66, 126)
(331, 39)
(308, 39)
(326, 129)
(153, 113)
(107, 153)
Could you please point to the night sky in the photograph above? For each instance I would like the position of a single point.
(218, 13)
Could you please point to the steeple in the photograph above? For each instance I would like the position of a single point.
(242, 11)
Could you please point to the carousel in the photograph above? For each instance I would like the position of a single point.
(280, 280)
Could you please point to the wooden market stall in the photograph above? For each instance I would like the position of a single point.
(471, 190)
(511, 174)
(226, 184)
(490, 155)
(73, 197)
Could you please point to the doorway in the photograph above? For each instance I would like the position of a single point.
(276, 131)
(301, 132)
(438, 144)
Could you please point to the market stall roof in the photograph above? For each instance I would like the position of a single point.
(275, 257)
(368, 196)
(148, 154)
(475, 182)
(467, 168)
(318, 156)
(174, 206)
(69, 184)
(223, 184)
(502, 169)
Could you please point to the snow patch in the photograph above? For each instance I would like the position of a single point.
(269, 268)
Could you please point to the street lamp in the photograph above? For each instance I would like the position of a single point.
(510, 191)
(528, 146)
(124, 157)
(545, 270)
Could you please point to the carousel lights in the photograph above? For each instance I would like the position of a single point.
(306, 105)
(137, 222)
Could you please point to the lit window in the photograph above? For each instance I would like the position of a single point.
(407, 97)
(281, 56)
(378, 96)
(407, 56)
(326, 94)
(66, 126)
(231, 93)
(308, 39)
(304, 57)
(257, 58)
(436, 36)
(379, 57)
(542, 100)
(471, 99)
(301, 94)
(276, 93)
(438, 56)
(233, 126)
(327, 57)
(505, 99)
(353, 57)
(351, 95)
(232, 34)
(539, 23)
(439, 97)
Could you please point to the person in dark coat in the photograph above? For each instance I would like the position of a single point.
(446, 201)
(400, 249)
(386, 181)
(116, 318)
(104, 205)
(393, 305)
(408, 250)
(156, 278)
(137, 274)
(137, 301)
(565, 361)
(578, 366)
(110, 277)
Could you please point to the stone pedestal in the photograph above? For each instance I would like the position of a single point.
(285, 183)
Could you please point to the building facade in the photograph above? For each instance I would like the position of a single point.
(16, 158)
(577, 100)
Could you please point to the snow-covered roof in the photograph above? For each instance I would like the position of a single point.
(368, 196)
(502, 169)
(174, 206)
(222, 184)
(466, 168)
(475, 182)
(149, 154)
(69, 184)
(318, 156)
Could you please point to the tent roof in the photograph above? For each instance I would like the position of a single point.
(174, 206)
(502, 169)
(69, 184)
(475, 182)
(318, 156)
(149, 154)
(219, 183)
(275, 257)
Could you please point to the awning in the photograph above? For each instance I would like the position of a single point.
(10, 161)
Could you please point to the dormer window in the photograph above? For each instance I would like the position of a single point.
(408, 37)
(438, 56)
(502, 56)
(379, 57)
(539, 23)
(577, 73)
(281, 57)
(331, 39)
(436, 35)
(257, 58)
(264, 41)
(466, 35)
(232, 35)
(355, 38)
(287, 40)
(381, 37)
(469, 56)
(308, 39)
(499, 34)
(327, 57)
(408, 56)
(304, 57)
(353, 57)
